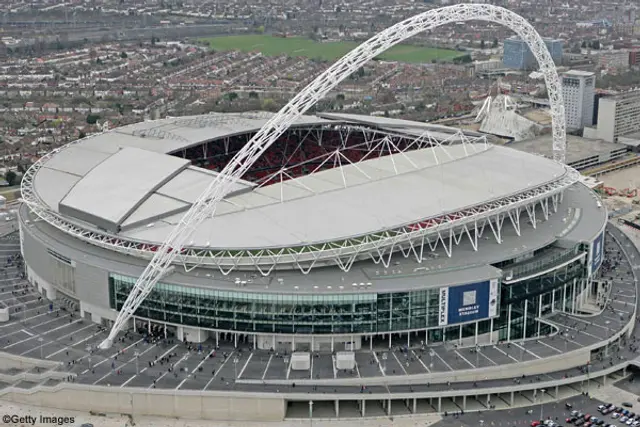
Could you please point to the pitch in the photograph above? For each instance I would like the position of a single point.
(329, 51)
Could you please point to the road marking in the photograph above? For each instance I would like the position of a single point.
(442, 360)
(222, 366)
(74, 344)
(44, 333)
(508, 355)
(165, 373)
(311, 367)
(488, 358)
(35, 326)
(333, 365)
(266, 367)
(465, 359)
(128, 381)
(375, 356)
(421, 362)
(526, 350)
(289, 367)
(57, 339)
(245, 365)
(399, 362)
(27, 332)
(117, 368)
(114, 355)
(357, 369)
(195, 369)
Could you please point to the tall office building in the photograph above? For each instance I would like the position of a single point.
(619, 115)
(578, 89)
(517, 54)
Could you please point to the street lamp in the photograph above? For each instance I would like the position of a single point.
(431, 354)
(384, 362)
(41, 340)
(137, 356)
(542, 391)
(235, 366)
(311, 413)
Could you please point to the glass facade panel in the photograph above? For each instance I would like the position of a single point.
(521, 304)
(360, 313)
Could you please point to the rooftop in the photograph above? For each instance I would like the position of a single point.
(578, 148)
(141, 194)
(578, 73)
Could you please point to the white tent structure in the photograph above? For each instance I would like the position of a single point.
(345, 360)
(300, 361)
(498, 116)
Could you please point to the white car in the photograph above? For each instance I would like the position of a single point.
(629, 422)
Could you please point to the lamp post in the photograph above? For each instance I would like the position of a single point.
(311, 413)
(542, 392)
(478, 356)
(41, 340)
(137, 356)
(431, 354)
(235, 366)
(384, 362)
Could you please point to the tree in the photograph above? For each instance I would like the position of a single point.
(269, 104)
(340, 97)
(124, 55)
(584, 44)
(92, 119)
(481, 44)
(11, 177)
(253, 95)
(495, 43)
(82, 135)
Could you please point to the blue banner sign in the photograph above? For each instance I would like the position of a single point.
(467, 303)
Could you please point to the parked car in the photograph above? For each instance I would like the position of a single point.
(627, 404)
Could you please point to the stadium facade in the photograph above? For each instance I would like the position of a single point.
(349, 230)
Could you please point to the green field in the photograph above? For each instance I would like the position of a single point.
(330, 51)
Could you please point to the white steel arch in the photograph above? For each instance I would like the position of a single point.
(205, 206)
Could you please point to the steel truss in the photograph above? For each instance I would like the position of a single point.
(205, 206)
(378, 143)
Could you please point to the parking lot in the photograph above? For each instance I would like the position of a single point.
(557, 412)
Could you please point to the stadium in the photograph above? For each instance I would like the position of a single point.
(310, 250)
(248, 266)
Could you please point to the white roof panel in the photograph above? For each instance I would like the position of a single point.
(192, 182)
(389, 200)
(112, 190)
(52, 185)
(76, 160)
(155, 207)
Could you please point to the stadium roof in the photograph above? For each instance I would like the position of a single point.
(128, 186)
(578, 220)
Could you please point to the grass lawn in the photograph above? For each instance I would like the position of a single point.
(300, 46)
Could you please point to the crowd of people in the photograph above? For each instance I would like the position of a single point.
(301, 151)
